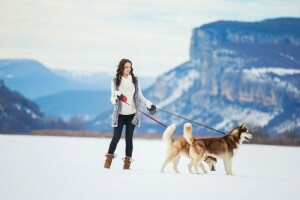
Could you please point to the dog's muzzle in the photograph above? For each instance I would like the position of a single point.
(248, 137)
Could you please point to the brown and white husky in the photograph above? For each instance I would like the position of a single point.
(178, 147)
(222, 148)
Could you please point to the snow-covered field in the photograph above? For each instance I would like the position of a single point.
(62, 168)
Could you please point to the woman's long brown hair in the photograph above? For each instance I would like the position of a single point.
(120, 70)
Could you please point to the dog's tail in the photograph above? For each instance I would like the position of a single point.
(188, 133)
(167, 134)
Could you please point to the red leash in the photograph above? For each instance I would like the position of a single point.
(147, 115)
(124, 99)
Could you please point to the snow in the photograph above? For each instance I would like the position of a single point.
(27, 110)
(43, 167)
(277, 71)
(248, 116)
(10, 76)
(287, 125)
(18, 106)
(260, 75)
(181, 84)
(288, 56)
(33, 115)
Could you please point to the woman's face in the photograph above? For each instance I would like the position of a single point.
(127, 69)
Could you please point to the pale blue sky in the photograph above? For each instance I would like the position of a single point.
(94, 35)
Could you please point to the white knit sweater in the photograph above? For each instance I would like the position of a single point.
(127, 88)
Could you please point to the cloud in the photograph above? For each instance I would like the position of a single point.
(96, 34)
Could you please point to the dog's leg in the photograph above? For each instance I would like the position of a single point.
(226, 165)
(202, 167)
(230, 166)
(198, 160)
(196, 164)
(175, 163)
(171, 155)
(169, 159)
(190, 166)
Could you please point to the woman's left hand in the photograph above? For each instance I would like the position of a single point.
(148, 104)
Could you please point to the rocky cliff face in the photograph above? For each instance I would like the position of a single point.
(238, 72)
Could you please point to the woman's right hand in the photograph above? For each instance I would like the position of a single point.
(114, 100)
(117, 93)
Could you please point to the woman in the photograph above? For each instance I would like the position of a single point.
(125, 83)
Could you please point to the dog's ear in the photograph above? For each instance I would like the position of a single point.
(242, 126)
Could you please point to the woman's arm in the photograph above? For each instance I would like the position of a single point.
(143, 100)
(113, 97)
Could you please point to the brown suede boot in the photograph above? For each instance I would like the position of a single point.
(108, 160)
(127, 161)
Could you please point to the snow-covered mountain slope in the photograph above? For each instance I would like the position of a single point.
(54, 168)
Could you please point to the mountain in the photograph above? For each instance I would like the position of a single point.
(60, 93)
(32, 79)
(86, 104)
(238, 72)
(17, 114)
(91, 80)
(20, 115)
(96, 80)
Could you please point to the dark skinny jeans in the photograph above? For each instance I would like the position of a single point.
(123, 120)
